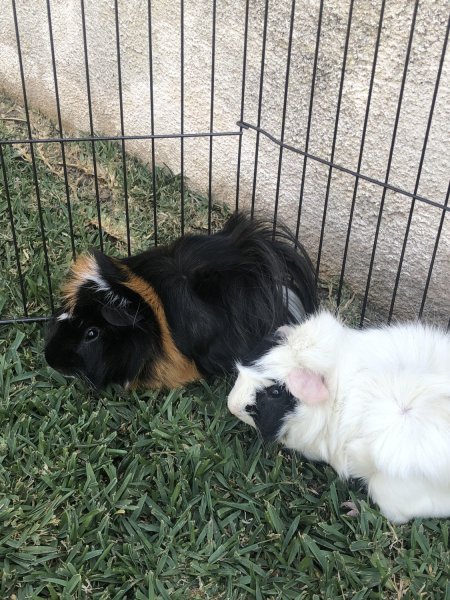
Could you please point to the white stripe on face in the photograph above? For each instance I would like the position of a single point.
(63, 317)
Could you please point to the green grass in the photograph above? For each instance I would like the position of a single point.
(163, 495)
(166, 496)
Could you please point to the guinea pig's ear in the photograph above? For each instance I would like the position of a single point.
(120, 317)
(108, 266)
(307, 386)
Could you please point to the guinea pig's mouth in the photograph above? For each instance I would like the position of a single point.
(65, 371)
(84, 378)
(252, 410)
(69, 371)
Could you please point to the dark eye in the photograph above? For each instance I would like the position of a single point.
(275, 392)
(91, 334)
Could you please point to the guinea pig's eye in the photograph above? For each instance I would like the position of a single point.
(275, 392)
(91, 334)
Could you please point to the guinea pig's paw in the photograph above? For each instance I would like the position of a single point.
(352, 508)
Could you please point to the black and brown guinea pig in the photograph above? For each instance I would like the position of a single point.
(177, 313)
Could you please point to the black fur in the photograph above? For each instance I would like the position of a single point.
(260, 349)
(272, 406)
(222, 294)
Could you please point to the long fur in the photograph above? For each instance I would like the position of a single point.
(387, 416)
(179, 312)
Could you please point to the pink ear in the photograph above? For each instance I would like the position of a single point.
(307, 386)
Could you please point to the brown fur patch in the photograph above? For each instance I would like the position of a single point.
(173, 369)
(83, 267)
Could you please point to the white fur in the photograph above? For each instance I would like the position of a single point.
(63, 317)
(102, 286)
(387, 419)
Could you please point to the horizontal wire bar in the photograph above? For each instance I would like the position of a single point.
(323, 161)
(242, 124)
(118, 138)
(24, 320)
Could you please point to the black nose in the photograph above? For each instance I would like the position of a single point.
(59, 358)
(53, 358)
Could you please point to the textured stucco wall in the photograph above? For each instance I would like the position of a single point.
(426, 50)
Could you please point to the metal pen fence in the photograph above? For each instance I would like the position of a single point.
(245, 126)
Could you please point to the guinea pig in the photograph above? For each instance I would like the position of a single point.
(372, 403)
(177, 313)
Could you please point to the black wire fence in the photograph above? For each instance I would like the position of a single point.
(250, 131)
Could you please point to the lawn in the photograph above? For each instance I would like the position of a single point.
(160, 495)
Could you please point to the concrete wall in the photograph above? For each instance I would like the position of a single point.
(428, 40)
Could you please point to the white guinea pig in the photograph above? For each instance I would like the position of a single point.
(373, 403)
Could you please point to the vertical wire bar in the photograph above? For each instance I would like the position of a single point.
(419, 173)
(182, 113)
(122, 127)
(211, 118)
(361, 153)
(244, 73)
(283, 119)
(261, 87)
(33, 159)
(433, 257)
(60, 129)
(391, 154)
(91, 125)
(333, 145)
(308, 127)
(152, 121)
(13, 233)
